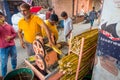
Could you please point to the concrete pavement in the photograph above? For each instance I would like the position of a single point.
(77, 29)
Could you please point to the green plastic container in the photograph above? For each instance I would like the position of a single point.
(20, 74)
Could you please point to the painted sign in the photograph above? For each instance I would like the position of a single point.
(107, 61)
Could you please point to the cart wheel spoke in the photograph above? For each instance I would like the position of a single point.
(40, 62)
(35, 47)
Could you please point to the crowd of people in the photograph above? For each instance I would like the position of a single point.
(29, 25)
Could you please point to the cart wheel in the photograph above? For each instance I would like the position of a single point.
(38, 48)
(39, 38)
(40, 62)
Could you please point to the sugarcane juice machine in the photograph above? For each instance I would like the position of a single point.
(46, 57)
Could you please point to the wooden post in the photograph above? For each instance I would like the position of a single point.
(38, 74)
(80, 57)
(7, 10)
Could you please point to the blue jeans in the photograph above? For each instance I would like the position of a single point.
(91, 22)
(4, 54)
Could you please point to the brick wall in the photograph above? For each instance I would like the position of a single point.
(67, 5)
(62, 5)
(86, 3)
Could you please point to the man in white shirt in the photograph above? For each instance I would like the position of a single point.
(68, 25)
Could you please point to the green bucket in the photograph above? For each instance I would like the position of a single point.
(20, 74)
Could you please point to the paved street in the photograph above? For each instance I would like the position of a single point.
(77, 29)
(21, 55)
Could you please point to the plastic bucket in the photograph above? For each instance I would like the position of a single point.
(20, 74)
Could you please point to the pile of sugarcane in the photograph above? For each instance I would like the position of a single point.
(90, 40)
(68, 64)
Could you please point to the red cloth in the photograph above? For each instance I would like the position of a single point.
(35, 9)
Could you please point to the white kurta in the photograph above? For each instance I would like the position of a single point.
(68, 26)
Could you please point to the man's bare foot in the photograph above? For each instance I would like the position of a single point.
(90, 27)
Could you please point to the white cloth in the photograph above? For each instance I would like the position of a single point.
(15, 19)
(82, 12)
(42, 16)
(68, 26)
(1, 10)
(118, 29)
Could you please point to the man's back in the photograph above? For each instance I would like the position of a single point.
(93, 15)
